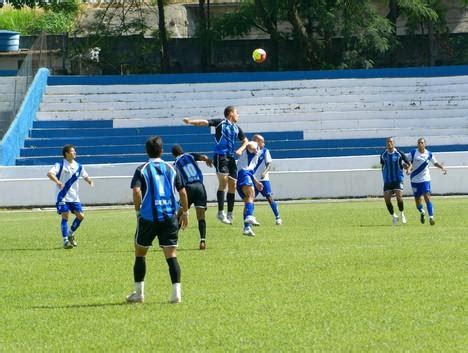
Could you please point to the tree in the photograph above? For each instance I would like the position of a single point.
(165, 60)
(422, 16)
(118, 30)
(326, 33)
(204, 34)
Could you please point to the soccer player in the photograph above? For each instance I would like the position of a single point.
(421, 178)
(65, 175)
(393, 162)
(262, 173)
(154, 198)
(192, 179)
(247, 183)
(225, 153)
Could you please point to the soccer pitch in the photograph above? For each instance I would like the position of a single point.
(336, 276)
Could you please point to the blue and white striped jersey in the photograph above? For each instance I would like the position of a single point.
(420, 162)
(264, 158)
(248, 161)
(187, 167)
(226, 135)
(68, 174)
(392, 166)
(158, 181)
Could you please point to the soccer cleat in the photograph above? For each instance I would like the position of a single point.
(175, 298)
(202, 245)
(279, 221)
(431, 221)
(403, 218)
(251, 220)
(71, 239)
(395, 219)
(67, 244)
(222, 217)
(423, 218)
(135, 298)
(249, 232)
(230, 217)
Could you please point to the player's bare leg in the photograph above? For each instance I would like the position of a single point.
(201, 226)
(220, 196)
(388, 203)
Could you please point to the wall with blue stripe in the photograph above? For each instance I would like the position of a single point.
(13, 140)
(436, 71)
(8, 72)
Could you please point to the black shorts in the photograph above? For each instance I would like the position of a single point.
(225, 165)
(196, 195)
(167, 232)
(396, 185)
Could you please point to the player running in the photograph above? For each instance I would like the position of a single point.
(65, 175)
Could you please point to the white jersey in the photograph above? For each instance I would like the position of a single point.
(264, 158)
(69, 171)
(420, 163)
(247, 161)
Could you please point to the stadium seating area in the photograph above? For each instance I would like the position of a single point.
(6, 101)
(299, 118)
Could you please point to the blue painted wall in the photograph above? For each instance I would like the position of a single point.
(13, 140)
(8, 72)
(259, 76)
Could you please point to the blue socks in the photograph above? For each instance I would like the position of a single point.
(430, 209)
(248, 211)
(76, 223)
(274, 207)
(420, 208)
(64, 226)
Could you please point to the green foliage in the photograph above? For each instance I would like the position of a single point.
(31, 21)
(54, 22)
(336, 277)
(67, 6)
(21, 21)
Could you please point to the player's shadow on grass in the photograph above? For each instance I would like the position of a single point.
(78, 306)
(32, 249)
(96, 305)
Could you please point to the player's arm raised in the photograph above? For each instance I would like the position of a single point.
(195, 122)
(241, 149)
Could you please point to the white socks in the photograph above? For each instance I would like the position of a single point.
(140, 288)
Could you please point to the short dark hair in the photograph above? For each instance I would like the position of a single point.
(154, 147)
(228, 110)
(66, 149)
(177, 150)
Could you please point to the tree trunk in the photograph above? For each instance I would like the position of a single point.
(301, 33)
(205, 44)
(165, 62)
(271, 25)
(431, 44)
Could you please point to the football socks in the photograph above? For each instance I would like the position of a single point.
(139, 269)
(174, 269)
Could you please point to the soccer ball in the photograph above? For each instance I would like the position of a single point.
(259, 55)
(252, 147)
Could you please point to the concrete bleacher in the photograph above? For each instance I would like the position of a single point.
(7, 88)
(299, 118)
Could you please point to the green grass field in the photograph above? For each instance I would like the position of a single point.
(336, 276)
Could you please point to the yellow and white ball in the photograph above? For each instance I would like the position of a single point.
(259, 55)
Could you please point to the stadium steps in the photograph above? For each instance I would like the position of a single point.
(98, 143)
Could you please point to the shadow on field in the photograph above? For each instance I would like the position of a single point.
(32, 249)
(79, 306)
